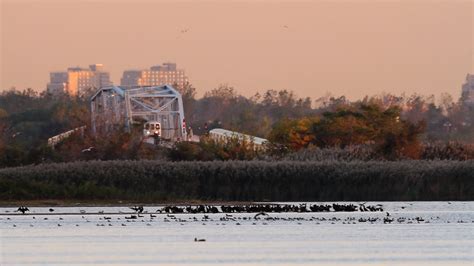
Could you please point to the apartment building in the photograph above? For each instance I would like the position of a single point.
(158, 75)
(77, 81)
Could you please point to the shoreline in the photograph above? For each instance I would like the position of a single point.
(113, 203)
(126, 203)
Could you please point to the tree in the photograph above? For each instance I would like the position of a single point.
(359, 123)
(295, 134)
(188, 94)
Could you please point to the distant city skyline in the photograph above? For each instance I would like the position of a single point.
(352, 48)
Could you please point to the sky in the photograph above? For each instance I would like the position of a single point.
(353, 48)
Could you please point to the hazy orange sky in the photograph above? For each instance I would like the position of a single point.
(354, 48)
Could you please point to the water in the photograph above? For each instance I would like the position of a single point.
(422, 233)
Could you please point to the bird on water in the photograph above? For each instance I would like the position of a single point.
(23, 209)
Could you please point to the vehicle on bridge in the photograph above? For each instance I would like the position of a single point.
(152, 129)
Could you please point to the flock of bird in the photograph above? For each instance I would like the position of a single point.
(261, 218)
(239, 214)
(272, 208)
(252, 208)
(245, 215)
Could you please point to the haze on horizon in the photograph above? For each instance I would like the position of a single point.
(353, 48)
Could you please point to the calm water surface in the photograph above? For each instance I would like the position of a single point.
(422, 233)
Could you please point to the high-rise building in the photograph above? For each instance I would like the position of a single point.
(130, 77)
(166, 73)
(78, 81)
(57, 83)
(468, 90)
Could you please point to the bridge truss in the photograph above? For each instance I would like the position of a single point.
(116, 107)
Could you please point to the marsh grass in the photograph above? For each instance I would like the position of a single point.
(241, 181)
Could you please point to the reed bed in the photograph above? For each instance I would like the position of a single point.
(148, 180)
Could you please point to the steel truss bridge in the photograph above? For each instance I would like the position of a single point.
(118, 107)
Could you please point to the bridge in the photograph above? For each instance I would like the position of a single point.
(120, 107)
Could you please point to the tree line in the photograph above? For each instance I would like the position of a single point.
(388, 127)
